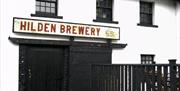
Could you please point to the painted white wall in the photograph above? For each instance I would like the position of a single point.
(161, 41)
(178, 24)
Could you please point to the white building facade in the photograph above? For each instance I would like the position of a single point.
(159, 38)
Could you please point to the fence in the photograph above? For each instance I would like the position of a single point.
(135, 77)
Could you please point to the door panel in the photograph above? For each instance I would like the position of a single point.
(45, 68)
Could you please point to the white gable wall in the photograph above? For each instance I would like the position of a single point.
(162, 41)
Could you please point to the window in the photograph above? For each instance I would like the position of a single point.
(48, 7)
(146, 14)
(147, 59)
(104, 11)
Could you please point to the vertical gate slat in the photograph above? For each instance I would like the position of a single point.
(130, 78)
(125, 85)
(153, 78)
(118, 83)
(165, 78)
(103, 78)
(116, 78)
(179, 76)
(112, 78)
(97, 79)
(138, 71)
(148, 78)
(142, 70)
(172, 77)
(122, 78)
(134, 77)
(92, 78)
(159, 78)
(108, 81)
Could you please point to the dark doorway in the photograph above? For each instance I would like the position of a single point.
(44, 67)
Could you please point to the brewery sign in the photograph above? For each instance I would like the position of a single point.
(34, 26)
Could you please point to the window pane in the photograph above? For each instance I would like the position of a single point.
(48, 9)
(141, 18)
(48, 4)
(105, 14)
(109, 3)
(104, 3)
(142, 10)
(54, 0)
(108, 13)
(150, 62)
(42, 9)
(52, 4)
(150, 58)
(143, 62)
(150, 10)
(42, 3)
(142, 5)
(98, 12)
(147, 19)
(147, 58)
(37, 3)
(52, 10)
(143, 58)
(37, 8)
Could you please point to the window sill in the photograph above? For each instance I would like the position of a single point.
(46, 16)
(114, 22)
(147, 25)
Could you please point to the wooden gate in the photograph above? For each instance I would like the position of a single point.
(135, 77)
(42, 68)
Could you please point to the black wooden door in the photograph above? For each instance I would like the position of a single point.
(45, 68)
(80, 65)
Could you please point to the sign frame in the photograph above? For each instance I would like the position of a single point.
(70, 23)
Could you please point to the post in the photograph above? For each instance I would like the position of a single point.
(173, 83)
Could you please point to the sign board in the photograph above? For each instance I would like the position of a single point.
(22, 25)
